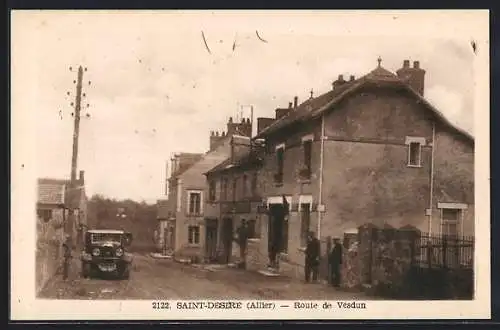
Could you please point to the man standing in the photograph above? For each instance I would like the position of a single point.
(336, 262)
(67, 256)
(242, 241)
(312, 258)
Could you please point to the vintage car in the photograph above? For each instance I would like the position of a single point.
(105, 253)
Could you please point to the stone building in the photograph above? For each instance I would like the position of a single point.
(234, 195)
(188, 190)
(55, 198)
(371, 150)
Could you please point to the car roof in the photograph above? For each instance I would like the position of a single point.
(106, 231)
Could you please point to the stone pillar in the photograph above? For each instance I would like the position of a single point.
(366, 237)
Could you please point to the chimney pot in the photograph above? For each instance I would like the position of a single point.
(353, 78)
(230, 119)
(212, 133)
(82, 176)
(406, 64)
(295, 101)
(416, 65)
(243, 120)
(290, 105)
(217, 133)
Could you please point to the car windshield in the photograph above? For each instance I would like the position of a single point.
(106, 237)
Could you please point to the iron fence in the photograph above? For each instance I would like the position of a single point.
(444, 251)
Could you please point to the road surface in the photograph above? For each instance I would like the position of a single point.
(152, 278)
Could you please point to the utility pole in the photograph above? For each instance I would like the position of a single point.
(76, 129)
(74, 184)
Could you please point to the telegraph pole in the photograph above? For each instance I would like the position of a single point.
(74, 184)
(76, 129)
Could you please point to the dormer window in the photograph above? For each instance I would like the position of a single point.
(415, 151)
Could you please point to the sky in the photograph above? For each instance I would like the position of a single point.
(156, 89)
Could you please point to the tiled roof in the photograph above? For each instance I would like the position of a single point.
(51, 191)
(58, 192)
(250, 158)
(315, 107)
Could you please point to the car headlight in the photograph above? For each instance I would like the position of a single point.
(96, 252)
(119, 252)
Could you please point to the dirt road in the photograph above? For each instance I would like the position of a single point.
(152, 278)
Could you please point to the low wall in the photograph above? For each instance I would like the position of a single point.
(48, 254)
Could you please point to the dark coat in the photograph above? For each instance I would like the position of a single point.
(312, 250)
(336, 255)
(243, 233)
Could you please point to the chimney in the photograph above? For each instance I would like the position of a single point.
(290, 105)
(280, 112)
(352, 78)
(295, 101)
(263, 122)
(339, 82)
(82, 177)
(413, 76)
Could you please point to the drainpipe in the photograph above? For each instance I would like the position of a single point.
(320, 197)
(432, 177)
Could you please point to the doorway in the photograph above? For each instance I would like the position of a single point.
(211, 240)
(227, 239)
(277, 230)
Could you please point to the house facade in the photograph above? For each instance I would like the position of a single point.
(371, 150)
(234, 195)
(188, 190)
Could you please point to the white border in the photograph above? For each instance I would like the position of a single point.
(437, 23)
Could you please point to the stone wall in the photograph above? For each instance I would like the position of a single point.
(49, 253)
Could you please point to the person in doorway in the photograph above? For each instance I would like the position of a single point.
(243, 241)
(312, 258)
(336, 262)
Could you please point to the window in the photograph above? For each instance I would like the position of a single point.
(194, 202)
(415, 150)
(44, 214)
(305, 221)
(450, 221)
(194, 234)
(254, 184)
(414, 157)
(212, 191)
(235, 187)
(280, 157)
(224, 189)
(307, 159)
